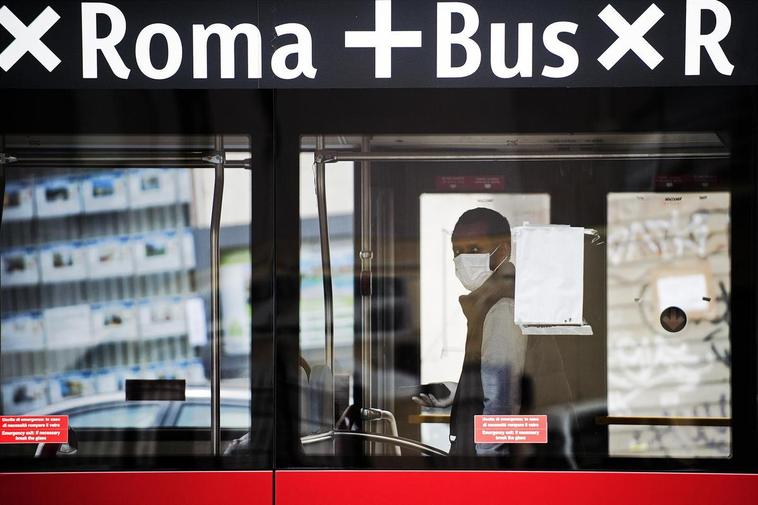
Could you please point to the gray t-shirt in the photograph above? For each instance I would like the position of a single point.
(503, 358)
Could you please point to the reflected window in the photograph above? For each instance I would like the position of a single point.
(118, 416)
(106, 277)
(195, 414)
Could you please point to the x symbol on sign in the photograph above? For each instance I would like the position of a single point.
(630, 36)
(28, 39)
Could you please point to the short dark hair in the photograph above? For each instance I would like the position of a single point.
(497, 225)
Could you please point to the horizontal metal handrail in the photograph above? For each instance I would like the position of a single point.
(663, 421)
(403, 442)
(331, 156)
(194, 158)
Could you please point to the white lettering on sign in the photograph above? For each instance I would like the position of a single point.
(523, 66)
(33, 429)
(695, 39)
(446, 39)
(104, 29)
(92, 44)
(27, 39)
(173, 48)
(559, 48)
(303, 48)
(227, 36)
(631, 37)
(383, 39)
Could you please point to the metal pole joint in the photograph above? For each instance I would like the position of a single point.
(324, 156)
(215, 158)
(7, 159)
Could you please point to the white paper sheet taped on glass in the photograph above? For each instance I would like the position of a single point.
(549, 275)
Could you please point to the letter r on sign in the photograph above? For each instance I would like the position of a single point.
(27, 39)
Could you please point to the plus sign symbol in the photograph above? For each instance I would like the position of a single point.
(383, 39)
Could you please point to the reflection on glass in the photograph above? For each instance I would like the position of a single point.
(315, 377)
(117, 416)
(86, 323)
(105, 277)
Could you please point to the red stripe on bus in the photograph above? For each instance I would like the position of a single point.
(138, 488)
(513, 488)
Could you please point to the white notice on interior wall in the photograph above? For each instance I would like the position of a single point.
(549, 275)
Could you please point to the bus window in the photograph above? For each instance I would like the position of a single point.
(524, 300)
(106, 279)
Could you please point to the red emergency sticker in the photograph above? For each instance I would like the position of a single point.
(510, 429)
(33, 429)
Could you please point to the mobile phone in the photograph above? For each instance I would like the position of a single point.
(438, 389)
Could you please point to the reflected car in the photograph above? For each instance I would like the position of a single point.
(112, 411)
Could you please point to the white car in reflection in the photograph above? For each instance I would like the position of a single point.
(111, 410)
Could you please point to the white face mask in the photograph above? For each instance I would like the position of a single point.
(473, 269)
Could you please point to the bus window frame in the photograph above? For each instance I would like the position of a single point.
(181, 112)
(491, 111)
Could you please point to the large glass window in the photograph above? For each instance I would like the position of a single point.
(517, 300)
(106, 256)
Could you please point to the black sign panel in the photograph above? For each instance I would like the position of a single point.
(376, 43)
(155, 389)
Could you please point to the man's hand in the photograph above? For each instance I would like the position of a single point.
(501, 284)
(507, 274)
(430, 400)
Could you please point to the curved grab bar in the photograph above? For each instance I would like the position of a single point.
(402, 442)
(382, 415)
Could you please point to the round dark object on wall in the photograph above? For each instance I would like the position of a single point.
(673, 319)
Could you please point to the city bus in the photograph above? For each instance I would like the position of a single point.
(308, 252)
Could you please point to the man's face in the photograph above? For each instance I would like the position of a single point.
(475, 239)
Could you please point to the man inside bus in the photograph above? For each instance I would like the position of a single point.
(504, 372)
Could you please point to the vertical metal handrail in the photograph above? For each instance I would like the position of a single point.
(366, 286)
(218, 196)
(326, 263)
